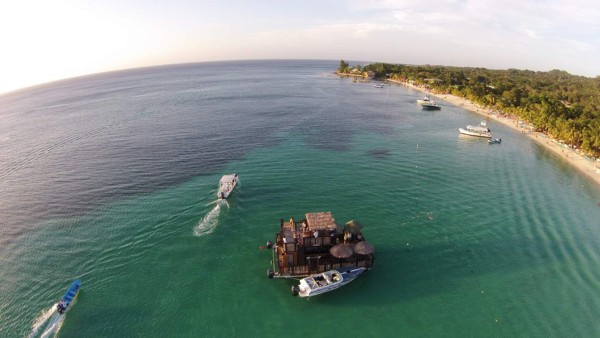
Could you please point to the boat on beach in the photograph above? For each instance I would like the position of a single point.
(480, 131)
(69, 297)
(226, 185)
(326, 281)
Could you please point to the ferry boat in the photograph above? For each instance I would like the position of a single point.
(307, 247)
(480, 131)
(69, 297)
(426, 99)
(226, 185)
(324, 282)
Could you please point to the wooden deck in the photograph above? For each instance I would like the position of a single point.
(303, 247)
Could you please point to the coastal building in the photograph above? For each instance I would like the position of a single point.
(317, 244)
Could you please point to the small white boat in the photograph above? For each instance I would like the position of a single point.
(324, 282)
(495, 141)
(425, 100)
(378, 85)
(431, 105)
(480, 131)
(226, 185)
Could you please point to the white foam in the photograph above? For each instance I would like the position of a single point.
(49, 321)
(210, 221)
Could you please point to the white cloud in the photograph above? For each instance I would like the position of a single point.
(67, 37)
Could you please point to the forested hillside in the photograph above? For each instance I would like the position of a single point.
(565, 106)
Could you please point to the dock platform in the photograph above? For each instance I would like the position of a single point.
(317, 244)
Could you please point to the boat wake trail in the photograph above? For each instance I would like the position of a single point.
(47, 323)
(210, 220)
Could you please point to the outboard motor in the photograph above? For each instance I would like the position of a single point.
(61, 307)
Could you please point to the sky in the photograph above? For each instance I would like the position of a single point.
(44, 41)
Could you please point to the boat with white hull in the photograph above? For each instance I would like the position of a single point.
(424, 100)
(326, 281)
(226, 185)
(431, 105)
(480, 131)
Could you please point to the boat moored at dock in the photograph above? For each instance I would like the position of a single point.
(326, 281)
(69, 297)
(318, 244)
(226, 185)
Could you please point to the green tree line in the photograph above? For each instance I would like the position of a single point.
(564, 106)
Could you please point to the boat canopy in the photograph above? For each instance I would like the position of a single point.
(478, 128)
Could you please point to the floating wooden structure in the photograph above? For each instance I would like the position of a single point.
(318, 244)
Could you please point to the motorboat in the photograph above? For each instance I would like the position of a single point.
(480, 131)
(378, 85)
(226, 185)
(326, 281)
(425, 100)
(495, 141)
(69, 297)
(431, 105)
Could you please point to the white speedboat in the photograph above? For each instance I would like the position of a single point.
(226, 185)
(480, 131)
(425, 100)
(431, 105)
(495, 141)
(326, 281)
(378, 85)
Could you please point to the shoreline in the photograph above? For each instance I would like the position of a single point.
(587, 167)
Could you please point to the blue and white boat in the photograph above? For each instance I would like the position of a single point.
(326, 281)
(69, 297)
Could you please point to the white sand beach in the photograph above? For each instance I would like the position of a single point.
(586, 166)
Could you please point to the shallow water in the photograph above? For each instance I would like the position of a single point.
(111, 178)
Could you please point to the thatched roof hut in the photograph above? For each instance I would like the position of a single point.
(320, 221)
(341, 250)
(364, 248)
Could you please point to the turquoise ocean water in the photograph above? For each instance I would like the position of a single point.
(111, 178)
